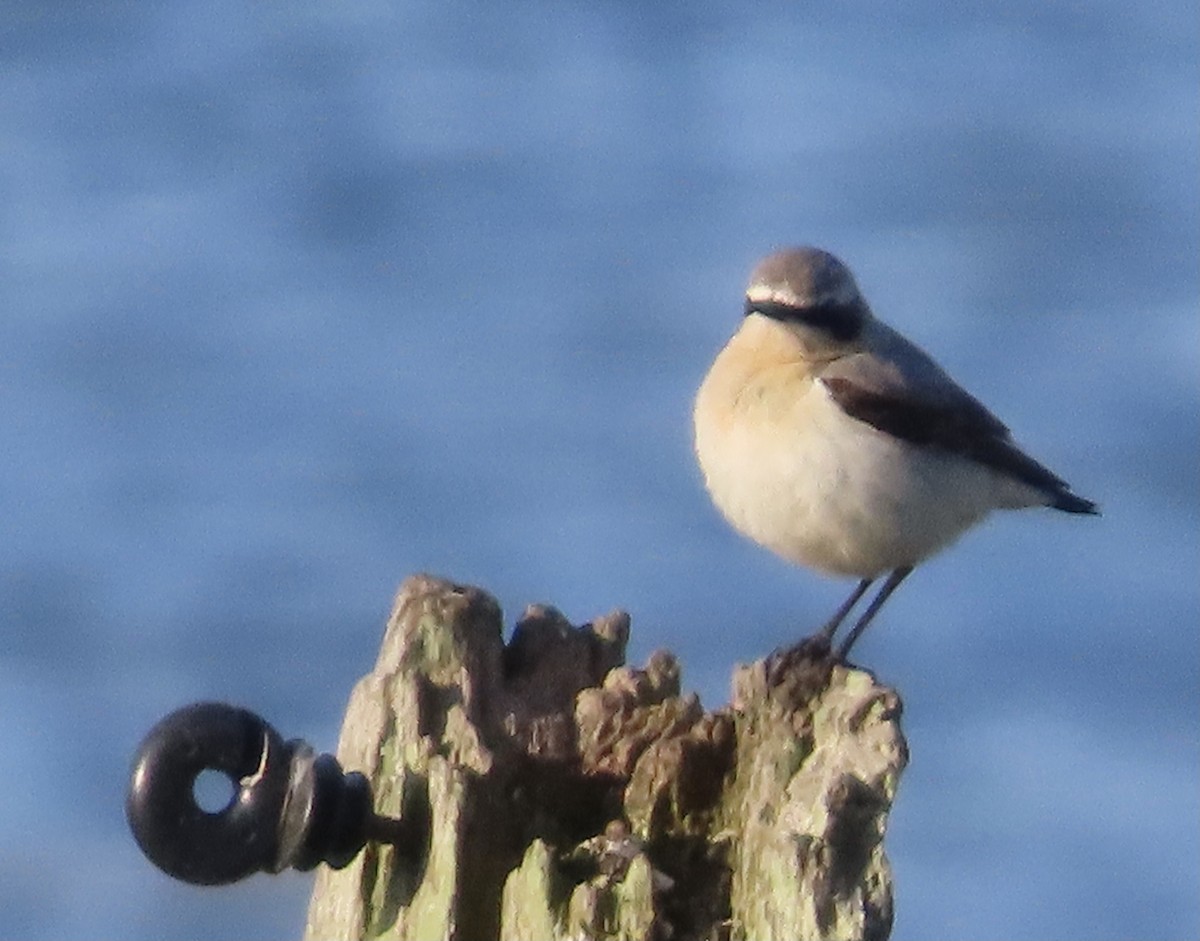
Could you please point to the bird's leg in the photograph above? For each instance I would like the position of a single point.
(818, 646)
(826, 633)
(892, 583)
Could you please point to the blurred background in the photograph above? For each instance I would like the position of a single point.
(299, 299)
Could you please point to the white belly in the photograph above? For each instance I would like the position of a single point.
(819, 488)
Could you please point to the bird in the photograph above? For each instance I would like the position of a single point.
(827, 437)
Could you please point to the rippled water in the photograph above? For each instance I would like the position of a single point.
(299, 300)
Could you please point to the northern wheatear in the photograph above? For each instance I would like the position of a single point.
(829, 438)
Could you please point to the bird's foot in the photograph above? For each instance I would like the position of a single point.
(798, 674)
(816, 649)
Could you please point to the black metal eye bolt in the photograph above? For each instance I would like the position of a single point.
(290, 808)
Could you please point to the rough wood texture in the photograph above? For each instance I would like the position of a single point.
(568, 796)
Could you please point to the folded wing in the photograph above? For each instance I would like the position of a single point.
(911, 398)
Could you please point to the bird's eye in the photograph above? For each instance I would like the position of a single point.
(841, 321)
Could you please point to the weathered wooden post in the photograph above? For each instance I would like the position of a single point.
(568, 796)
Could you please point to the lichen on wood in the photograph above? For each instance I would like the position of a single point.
(570, 796)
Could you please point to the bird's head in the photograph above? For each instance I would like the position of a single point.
(812, 295)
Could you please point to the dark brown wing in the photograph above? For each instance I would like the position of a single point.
(962, 426)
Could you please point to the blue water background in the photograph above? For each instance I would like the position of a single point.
(298, 299)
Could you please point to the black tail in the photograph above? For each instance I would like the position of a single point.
(1069, 503)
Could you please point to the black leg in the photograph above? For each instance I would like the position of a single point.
(835, 622)
(892, 583)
